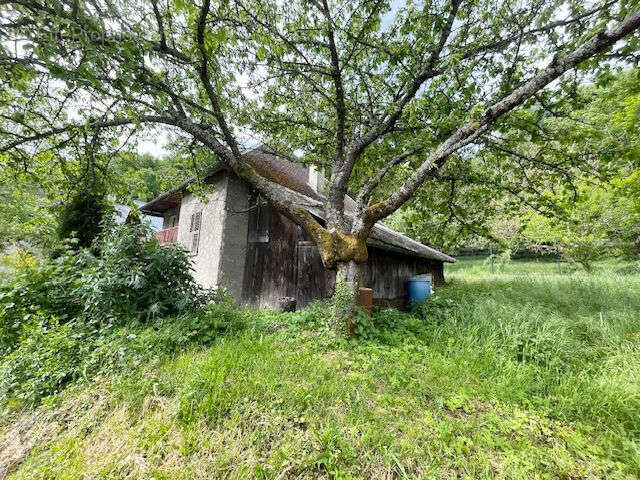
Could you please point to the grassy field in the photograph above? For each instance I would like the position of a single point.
(481, 266)
(526, 373)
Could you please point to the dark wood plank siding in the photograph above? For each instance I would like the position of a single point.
(270, 267)
(289, 265)
(387, 273)
(313, 280)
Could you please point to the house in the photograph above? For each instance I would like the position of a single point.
(260, 256)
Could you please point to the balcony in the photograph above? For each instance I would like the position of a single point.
(167, 236)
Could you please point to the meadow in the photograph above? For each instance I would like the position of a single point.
(523, 373)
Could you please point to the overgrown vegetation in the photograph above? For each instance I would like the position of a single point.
(61, 318)
(83, 216)
(503, 376)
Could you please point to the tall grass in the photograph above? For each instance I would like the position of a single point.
(568, 344)
(504, 376)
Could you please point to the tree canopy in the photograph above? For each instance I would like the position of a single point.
(388, 98)
(583, 159)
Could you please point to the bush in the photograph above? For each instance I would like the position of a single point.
(82, 218)
(54, 354)
(43, 363)
(88, 311)
(132, 277)
(36, 292)
(18, 259)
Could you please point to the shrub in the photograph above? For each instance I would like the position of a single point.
(55, 353)
(19, 259)
(43, 363)
(132, 277)
(88, 311)
(35, 292)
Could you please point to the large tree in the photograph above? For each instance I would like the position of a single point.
(370, 91)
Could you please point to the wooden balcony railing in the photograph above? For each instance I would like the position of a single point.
(167, 236)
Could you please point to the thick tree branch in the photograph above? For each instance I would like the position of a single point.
(600, 42)
(335, 197)
(203, 71)
(429, 71)
(341, 177)
(366, 190)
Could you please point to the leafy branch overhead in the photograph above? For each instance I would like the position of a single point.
(383, 96)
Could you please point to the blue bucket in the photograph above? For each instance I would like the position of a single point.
(419, 289)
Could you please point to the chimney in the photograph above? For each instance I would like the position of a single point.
(313, 178)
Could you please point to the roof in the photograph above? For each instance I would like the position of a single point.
(294, 177)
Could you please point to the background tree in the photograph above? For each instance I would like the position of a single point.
(600, 222)
(83, 217)
(25, 219)
(388, 99)
(36, 201)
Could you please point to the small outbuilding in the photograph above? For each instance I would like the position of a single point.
(260, 256)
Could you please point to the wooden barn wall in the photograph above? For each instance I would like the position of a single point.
(289, 265)
(387, 274)
(270, 266)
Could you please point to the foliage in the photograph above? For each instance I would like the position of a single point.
(602, 221)
(25, 218)
(585, 149)
(143, 177)
(43, 362)
(501, 377)
(30, 295)
(132, 277)
(83, 217)
(499, 261)
(127, 277)
(18, 259)
(33, 202)
(384, 97)
(52, 354)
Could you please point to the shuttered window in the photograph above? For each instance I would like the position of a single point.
(194, 228)
(196, 220)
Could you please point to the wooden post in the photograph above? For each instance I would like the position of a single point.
(365, 299)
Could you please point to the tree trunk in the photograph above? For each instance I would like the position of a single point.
(345, 296)
(349, 274)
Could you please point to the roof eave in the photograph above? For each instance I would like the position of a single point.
(148, 207)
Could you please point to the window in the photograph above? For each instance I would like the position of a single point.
(196, 220)
(173, 221)
(258, 220)
(194, 228)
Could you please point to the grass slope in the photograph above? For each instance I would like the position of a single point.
(499, 377)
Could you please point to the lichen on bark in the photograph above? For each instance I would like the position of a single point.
(338, 247)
